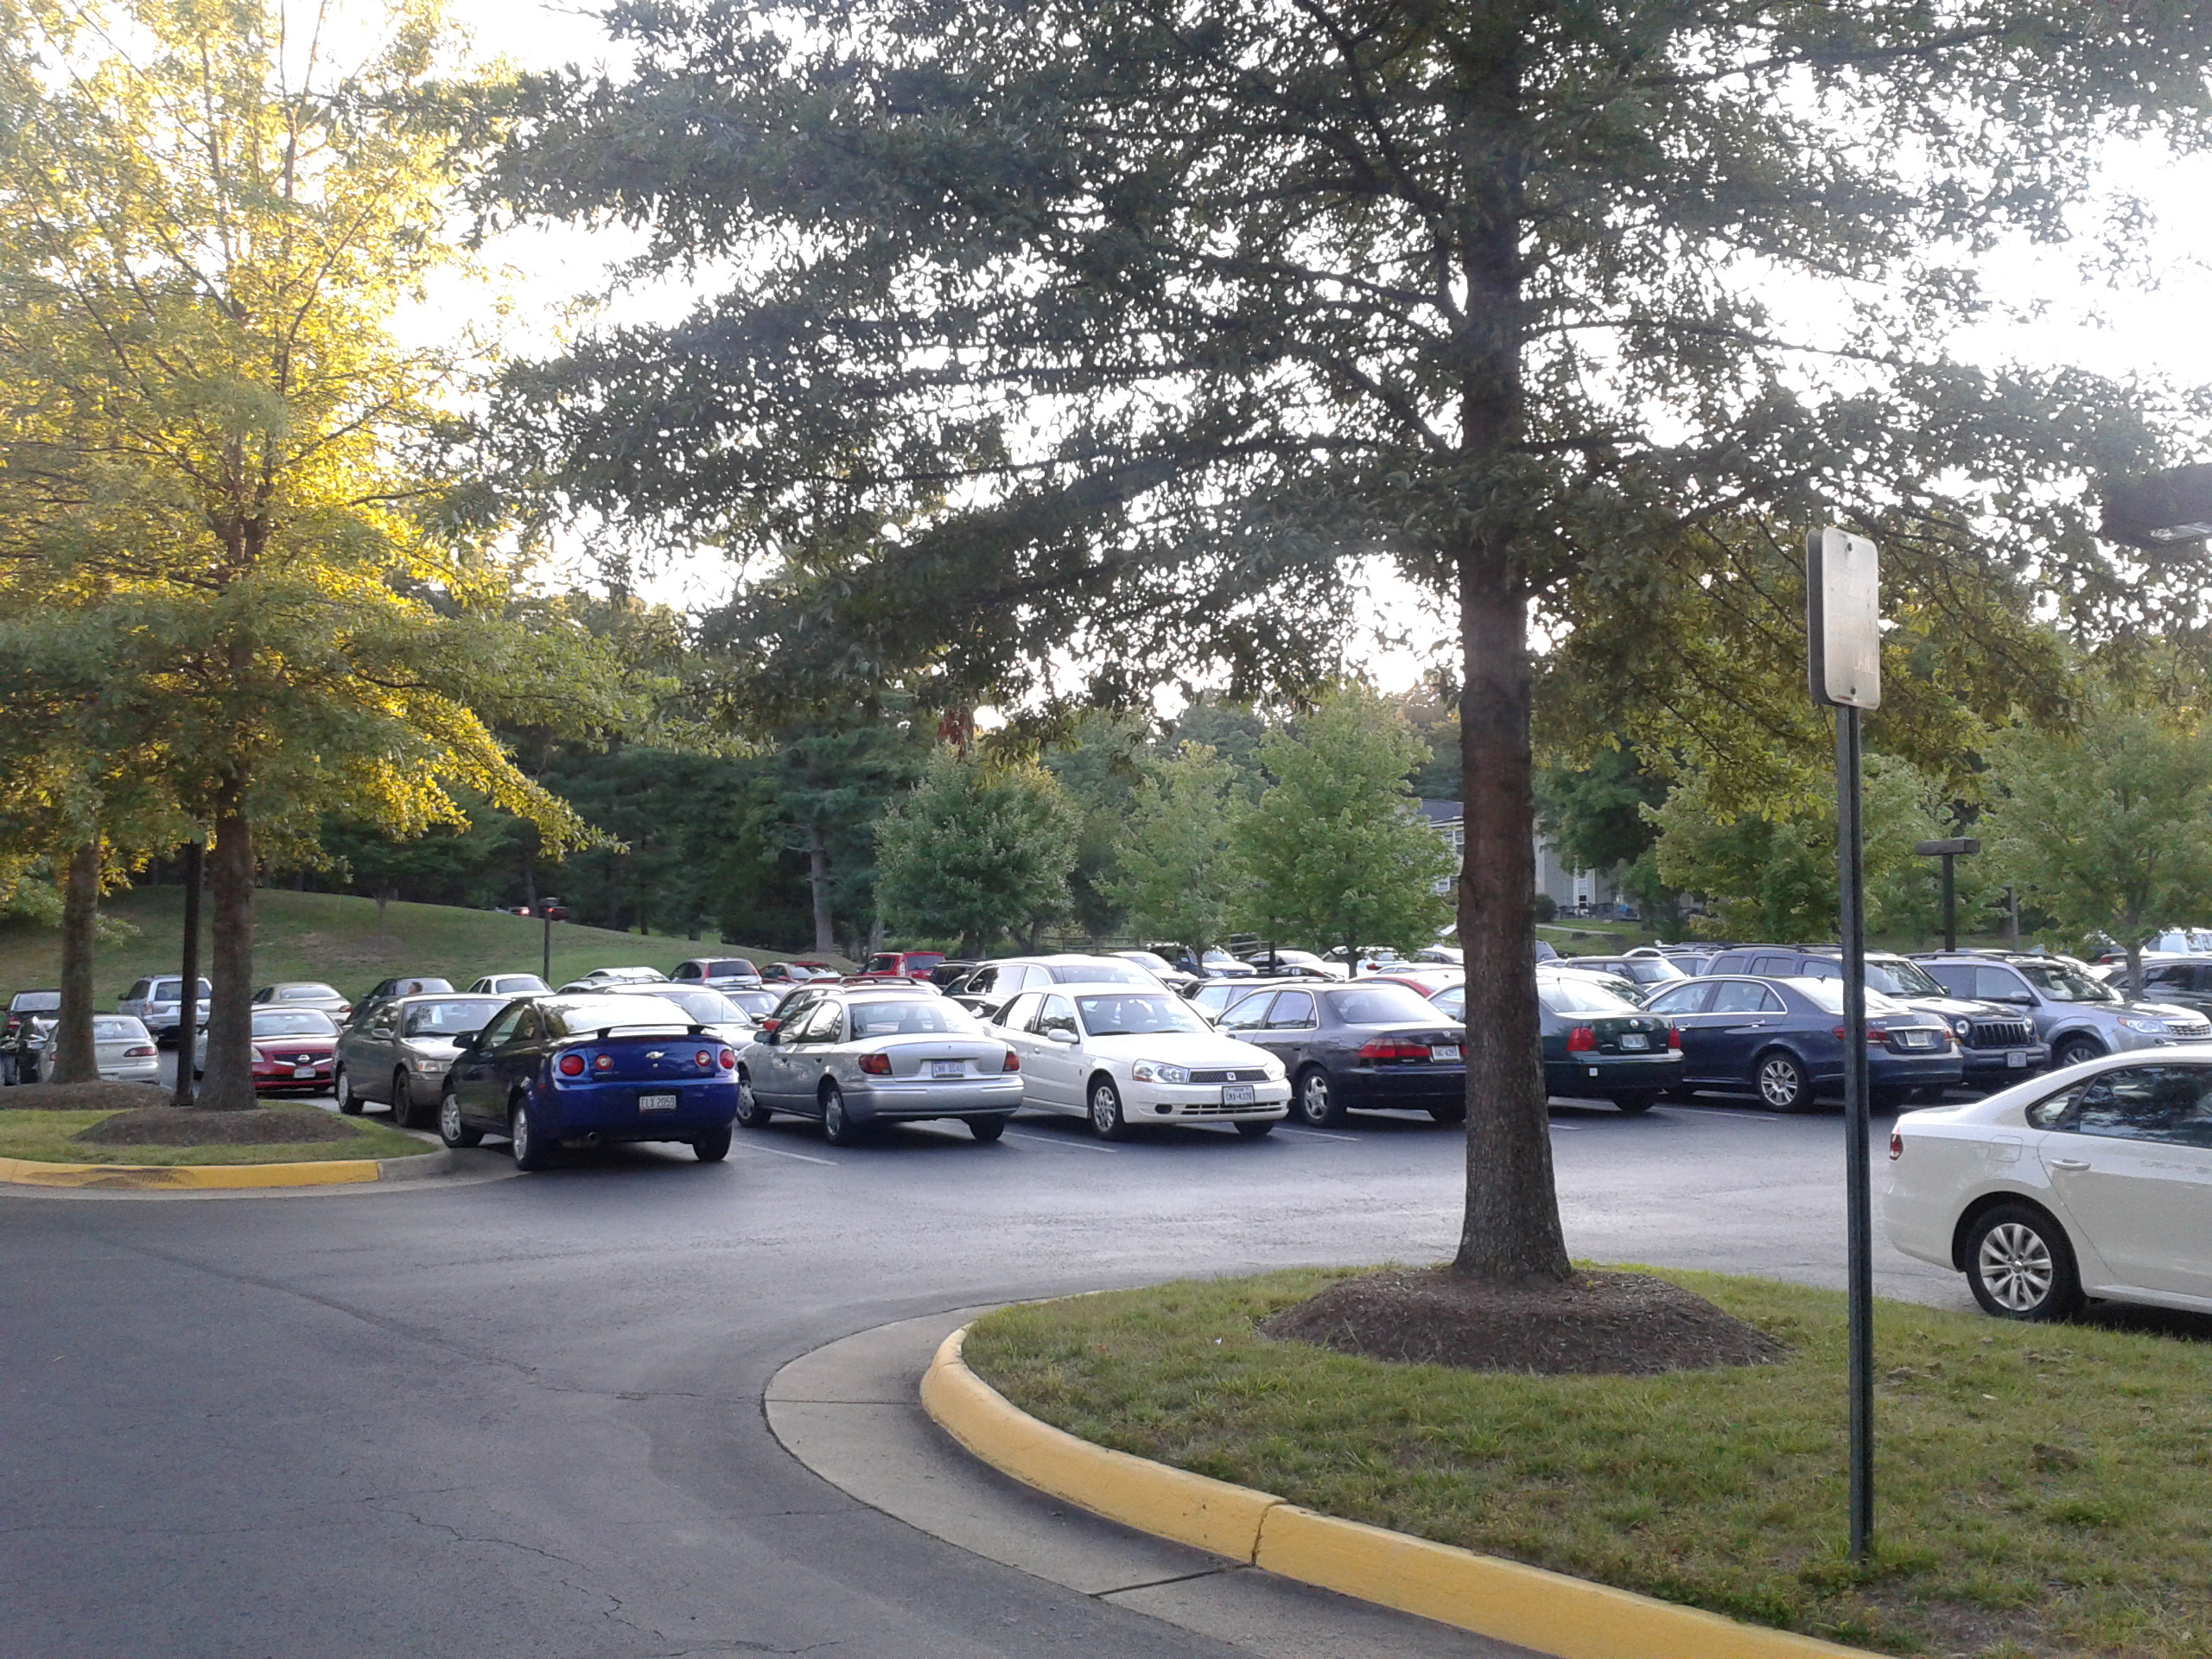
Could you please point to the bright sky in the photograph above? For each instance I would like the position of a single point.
(2165, 332)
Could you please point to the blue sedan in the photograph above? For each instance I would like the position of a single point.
(1783, 1039)
(584, 1070)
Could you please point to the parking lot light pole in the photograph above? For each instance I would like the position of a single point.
(1843, 633)
(552, 913)
(1949, 849)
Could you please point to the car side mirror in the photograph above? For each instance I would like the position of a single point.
(768, 1034)
(1060, 1034)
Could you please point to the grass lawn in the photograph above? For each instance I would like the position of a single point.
(2041, 1490)
(334, 937)
(44, 1136)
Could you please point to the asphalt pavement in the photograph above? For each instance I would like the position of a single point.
(524, 1416)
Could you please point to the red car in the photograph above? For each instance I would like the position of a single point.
(293, 1051)
(898, 965)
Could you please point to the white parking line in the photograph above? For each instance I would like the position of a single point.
(1722, 1112)
(778, 1152)
(1317, 1134)
(1055, 1140)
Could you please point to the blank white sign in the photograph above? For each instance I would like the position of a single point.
(1844, 618)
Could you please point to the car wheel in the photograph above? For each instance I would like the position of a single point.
(1106, 1120)
(451, 1129)
(751, 1113)
(2020, 1265)
(531, 1151)
(7, 1071)
(1255, 1128)
(1455, 1113)
(2076, 1051)
(837, 1125)
(1782, 1083)
(987, 1128)
(1635, 1105)
(403, 1101)
(342, 1086)
(1315, 1100)
(713, 1148)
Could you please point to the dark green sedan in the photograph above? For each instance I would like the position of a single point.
(1597, 1045)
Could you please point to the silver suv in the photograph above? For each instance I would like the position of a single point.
(158, 1000)
(2079, 1019)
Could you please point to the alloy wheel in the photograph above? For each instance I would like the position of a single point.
(1782, 1085)
(2017, 1266)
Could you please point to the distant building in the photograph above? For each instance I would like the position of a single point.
(1570, 889)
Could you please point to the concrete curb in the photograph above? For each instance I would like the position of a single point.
(334, 1171)
(1506, 1600)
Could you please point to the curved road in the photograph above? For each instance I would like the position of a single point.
(523, 1416)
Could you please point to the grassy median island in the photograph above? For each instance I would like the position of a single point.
(2042, 1489)
(270, 1135)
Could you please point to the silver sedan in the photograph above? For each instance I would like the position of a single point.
(861, 1058)
(121, 1047)
(399, 1052)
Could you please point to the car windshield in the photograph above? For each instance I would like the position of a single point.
(1100, 973)
(2062, 984)
(451, 1019)
(292, 1022)
(614, 1013)
(1381, 1005)
(1452, 1003)
(708, 1007)
(1828, 994)
(307, 994)
(36, 1001)
(1651, 970)
(1567, 993)
(915, 1017)
(1107, 1015)
(114, 1028)
(1898, 977)
(753, 1004)
(1145, 959)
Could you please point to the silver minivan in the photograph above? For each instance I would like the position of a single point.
(158, 1000)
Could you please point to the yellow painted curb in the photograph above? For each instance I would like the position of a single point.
(1507, 1601)
(336, 1172)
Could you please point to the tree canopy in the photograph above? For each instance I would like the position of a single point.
(982, 847)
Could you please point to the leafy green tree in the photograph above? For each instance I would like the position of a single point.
(1106, 333)
(979, 848)
(1598, 816)
(1336, 851)
(2108, 828)
(1181, 874)
(1100, 764)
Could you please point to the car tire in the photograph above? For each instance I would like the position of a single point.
(987, 1128)
(532, 1150)
(1455, 1113)
(751, 1113)
(2020, 1265)
(1107, 1121)
(712, 1147)
(7, 1071)
(451, 1129)
(2076, 1051)
(403, 1101)
(342, 1086)
(1781, 1082)
(1635, 1105)
(837, 1125)
(1255, 1128)
(1315, 1099)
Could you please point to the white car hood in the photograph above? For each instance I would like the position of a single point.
(1180, 1048)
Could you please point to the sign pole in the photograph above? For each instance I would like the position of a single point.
(1843, 664)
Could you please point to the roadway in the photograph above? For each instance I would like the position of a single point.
(523, 1416)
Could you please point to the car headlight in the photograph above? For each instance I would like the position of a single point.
(423, 1065)
(1159, 1071)
(1273, 1072)
(2156, 1027)
(1962, 1028)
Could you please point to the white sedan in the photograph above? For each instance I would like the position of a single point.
(1120, 1055)
(122, 1048)
(2092, 1181)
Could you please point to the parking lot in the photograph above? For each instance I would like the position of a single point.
(522, 1414)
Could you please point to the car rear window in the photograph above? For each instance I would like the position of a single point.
(708, 1007)
(917, 1018)
(292, 1022)
(1561, 995)
(727, 966)
(1381, 1005)
(117, 1029)
(36, 1001)
(614, 1014)
(306, 994)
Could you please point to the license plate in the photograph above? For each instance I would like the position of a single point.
(2015, 1059)
(655, 1102)
(1444, 1052)
(1918, 1039)
(948, 1068)
(1634, 1039)
(1237, 1094)
(303, 1071)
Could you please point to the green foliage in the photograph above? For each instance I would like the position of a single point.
(1181, 876)
(1337, 852)
(1098, 765)
(2108, 828)
(979, 848)
(1600, 818)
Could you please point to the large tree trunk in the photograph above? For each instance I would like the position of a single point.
(74, 1059)
(1511, 1229)
(228, 1085)
(818, 877)
(187, 1018)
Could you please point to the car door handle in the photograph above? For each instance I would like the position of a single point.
(2069, 1163)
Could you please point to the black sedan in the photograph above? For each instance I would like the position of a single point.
(1364, 1046)
(1598, 1046)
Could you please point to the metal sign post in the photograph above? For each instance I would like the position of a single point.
(1843, 634)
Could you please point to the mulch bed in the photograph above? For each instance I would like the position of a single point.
(101, 1096)
(265, 1126)
(1611, 1323)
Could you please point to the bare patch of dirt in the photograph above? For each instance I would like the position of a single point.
(100, 1097)
(1611, 1323)
(265, 1126)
